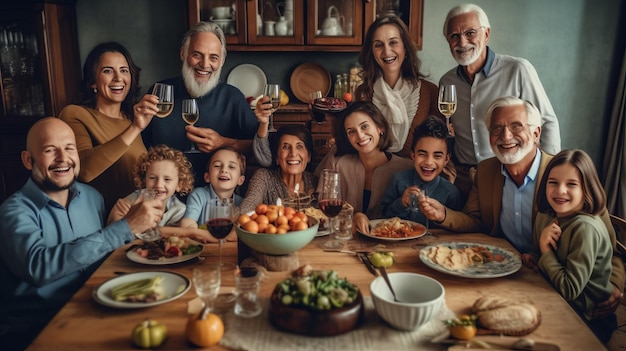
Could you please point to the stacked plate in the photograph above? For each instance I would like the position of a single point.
(248, 78)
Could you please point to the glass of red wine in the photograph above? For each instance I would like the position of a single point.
(220, 223)
(331, 203)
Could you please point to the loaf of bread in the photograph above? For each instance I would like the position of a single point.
(506, 316)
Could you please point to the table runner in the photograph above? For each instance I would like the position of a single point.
(373, 334)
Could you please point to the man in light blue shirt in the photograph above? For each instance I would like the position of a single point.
(53, 234)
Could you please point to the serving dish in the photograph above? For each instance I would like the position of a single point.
(509, 263)
(174, 285)
(307, 78)
(279, 244)
(249, 79)
(310, 322)
(374, 222)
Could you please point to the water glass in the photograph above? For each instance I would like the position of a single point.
(207, 281)
(343, 223)
(247, 282)
(151, 234)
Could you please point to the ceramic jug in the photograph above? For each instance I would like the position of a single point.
(281, 26)
(333, 25)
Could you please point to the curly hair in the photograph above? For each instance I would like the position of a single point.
(165, 153)
(89, 76)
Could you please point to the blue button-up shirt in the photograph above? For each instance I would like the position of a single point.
(516, 217)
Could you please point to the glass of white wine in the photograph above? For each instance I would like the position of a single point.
(447, 102)
(165, 93)
(191, 114)
(273, 91)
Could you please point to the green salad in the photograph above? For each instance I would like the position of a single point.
(317, 289)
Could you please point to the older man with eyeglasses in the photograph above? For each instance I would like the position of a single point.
(502, 200)
(481, 77)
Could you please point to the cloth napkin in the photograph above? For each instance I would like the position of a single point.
(257, 334)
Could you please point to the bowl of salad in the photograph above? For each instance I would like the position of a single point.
(316, 303)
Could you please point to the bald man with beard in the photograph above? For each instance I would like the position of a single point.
(53, 234)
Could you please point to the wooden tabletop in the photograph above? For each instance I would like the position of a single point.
(83, 324)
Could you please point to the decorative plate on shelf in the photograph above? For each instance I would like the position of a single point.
(173, 285)
(309, 77)
(470, 260)
(248, 78)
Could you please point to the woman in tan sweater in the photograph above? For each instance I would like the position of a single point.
(108, 123)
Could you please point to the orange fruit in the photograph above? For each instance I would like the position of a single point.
(271, 229)
(281, 220)
(289, 212)
(347, 96)
(299, 226)
(272, 214)
(261, 209)
(243, 219)
(251, 226)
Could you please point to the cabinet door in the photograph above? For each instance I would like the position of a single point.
(275, 22)
(334, 22)
(411, 12)
(230, 15)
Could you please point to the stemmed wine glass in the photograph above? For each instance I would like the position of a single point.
(191, 114)
(331, 203)
(165, 93)
(415, 199)
(447, 102)
(207, 279)
(273, 91)
(221, 213)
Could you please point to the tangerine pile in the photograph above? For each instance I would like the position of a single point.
(273, 219)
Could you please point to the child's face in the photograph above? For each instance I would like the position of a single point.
(224, 171)
(430, 156)
(362, 132)
(564, 190)
(163, 177)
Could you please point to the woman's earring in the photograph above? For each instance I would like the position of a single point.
(95, 90)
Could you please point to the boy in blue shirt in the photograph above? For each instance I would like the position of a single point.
(429, 151)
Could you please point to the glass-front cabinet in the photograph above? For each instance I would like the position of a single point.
(302, 25)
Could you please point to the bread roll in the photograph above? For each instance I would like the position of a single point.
(506, 316)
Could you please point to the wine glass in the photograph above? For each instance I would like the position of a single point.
(207, 279)
(220, 223)
(165, 92)
(191, 114)
(447, 102)
(318, 116)
(422, 196)
(331, 204)
(273, 91)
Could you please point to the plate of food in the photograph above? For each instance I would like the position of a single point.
(470, 260)
(165, 251)
(395, 229)
(141, 289)
(323, 229)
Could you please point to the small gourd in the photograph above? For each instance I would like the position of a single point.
(149, 334)
(204, 329)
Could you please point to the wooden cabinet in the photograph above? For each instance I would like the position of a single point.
(40, 70)
(302, 25)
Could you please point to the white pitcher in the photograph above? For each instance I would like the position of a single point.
(333, 25)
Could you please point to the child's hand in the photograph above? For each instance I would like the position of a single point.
(530, 261)
(361, 223)
(549, 237)
(406, 195)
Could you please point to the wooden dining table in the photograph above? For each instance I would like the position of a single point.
(84, 324)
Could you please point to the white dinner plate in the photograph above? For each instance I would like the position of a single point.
(134, 256)
(374, 222)
(248, 78)
(174, 286)
(509, 264)
(323, 232)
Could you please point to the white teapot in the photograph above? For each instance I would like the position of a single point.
(333, 25)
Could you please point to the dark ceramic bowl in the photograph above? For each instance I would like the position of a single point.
(310, 322)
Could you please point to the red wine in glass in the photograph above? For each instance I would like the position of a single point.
(331, 207)
(220, 227)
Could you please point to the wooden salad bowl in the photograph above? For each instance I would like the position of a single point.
(310, 322)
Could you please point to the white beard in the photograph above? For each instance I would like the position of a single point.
(463, 60)
(195, 88)
(511, 158)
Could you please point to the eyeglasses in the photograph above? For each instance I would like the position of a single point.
(514, 127)
(468, 34)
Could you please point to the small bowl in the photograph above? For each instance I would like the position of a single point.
(421, 297)
(310, 322)
(279, 244)
(221, 12)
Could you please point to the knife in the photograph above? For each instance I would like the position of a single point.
(368, 264)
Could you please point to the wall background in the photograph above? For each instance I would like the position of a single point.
(571, 43)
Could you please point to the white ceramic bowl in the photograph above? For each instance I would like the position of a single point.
(221, 12)
(421, 297)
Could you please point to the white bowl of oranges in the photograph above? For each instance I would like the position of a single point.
(276, 230)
